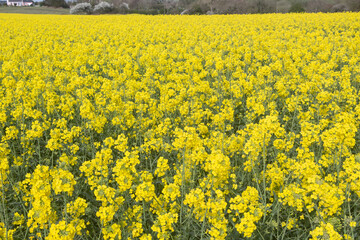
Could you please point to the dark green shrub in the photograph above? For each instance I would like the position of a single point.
(297, 8)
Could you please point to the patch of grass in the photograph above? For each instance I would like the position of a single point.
(34, 10)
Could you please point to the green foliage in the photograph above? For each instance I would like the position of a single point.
(297, 8)
(34, 10)
(55, 3)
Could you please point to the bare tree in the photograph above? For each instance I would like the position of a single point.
(354, 5)
(185, 3)
(318, 6)
(207, 3)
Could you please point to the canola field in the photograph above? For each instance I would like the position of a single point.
(180, 127)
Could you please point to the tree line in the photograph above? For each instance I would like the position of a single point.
(219, 6)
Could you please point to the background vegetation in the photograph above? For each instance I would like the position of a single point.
(35, 10)
(206, 6)
(235, 6)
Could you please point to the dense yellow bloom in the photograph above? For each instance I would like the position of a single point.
(164, 225)
(41, 214)
(325, 231)
(218, 167)
(18, 219)
(65, 231)
(248, 209)
(77, 208)
(112, 231)
(196, 200)
(162, 167)
(6, 233)
(63, 181)
(180, 127)
(145, 190)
